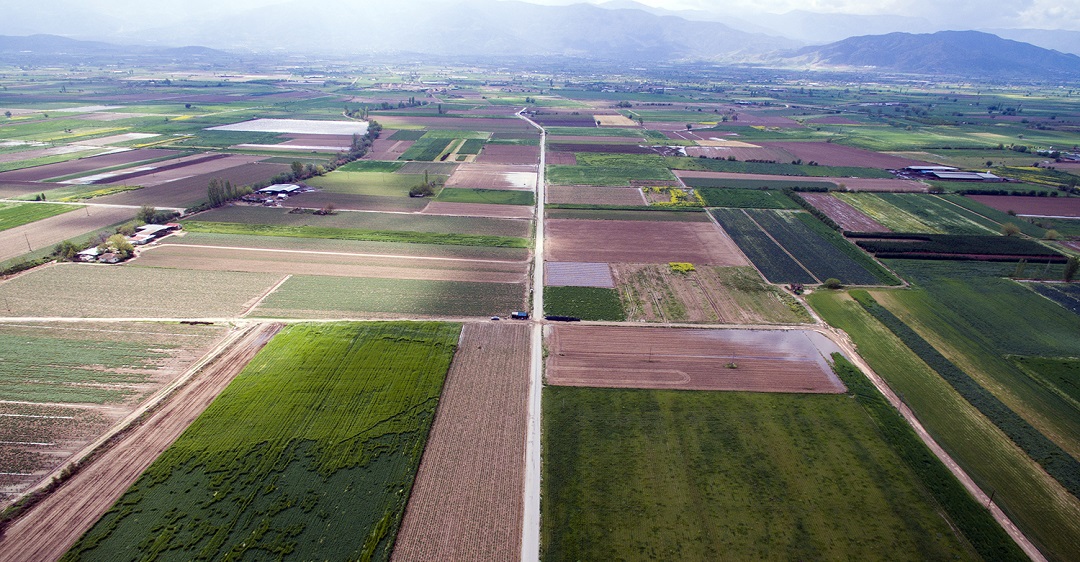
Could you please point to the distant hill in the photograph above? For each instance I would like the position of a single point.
(44, 49)
(958, 53)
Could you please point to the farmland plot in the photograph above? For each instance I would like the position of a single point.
(12, 215)
(467, 500)
(849, 218)
(91, 291)
(325, 429)
(747, 360)
(852, 184)
(494, 176)
(615, 241)
(590, 195)
(818, 255)
(768, 257)
(17, 241)
(729, 295)
(941, 214)
(309, 296)
(62, 385)
(646, 474)
(298, 126)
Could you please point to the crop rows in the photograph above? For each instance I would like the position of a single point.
(426, 149)
(747, 198)
(995, 215)
(940, 214)
(733, 183)
(310, 452)
(587, 303)
(768, 257)
(1059, 464)
(823, 259)
(1067, 295)
(901, 244)
(356, 234)
(780, 169)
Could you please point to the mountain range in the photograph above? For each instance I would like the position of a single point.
(619, 30)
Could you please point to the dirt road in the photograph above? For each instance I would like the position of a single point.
(49, 529)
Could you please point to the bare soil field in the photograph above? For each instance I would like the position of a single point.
(594, 140)
(492, 176)
(727, 295)
(354, 202)
(43, 152)
(385, 149)
(742, 153)
(848, 217)
(116, 139)
(578, 274)
(561, 159)
(1034, 206)
(187, 191)
(852, 184)
(589, 195)
(479, 210)
(467, 501)
(831, 154)
(36, 438)
(183, 168)
(613, 148)
(615, 120)
(49, 529)
(340, 264)
(39, 173)
(509, 154)
(80, 290)
(617, 241)
(17, 241)
(689, 359)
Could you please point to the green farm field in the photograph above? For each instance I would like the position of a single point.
(646, 475)
(489, 196)
(920, 213)
(18, 214)
(99, 291)
(1037, 503)
(310, 452)
(586, 303)
(610, 169)
(354, 297)
(368, 183)
(256, 216)
(355, 234)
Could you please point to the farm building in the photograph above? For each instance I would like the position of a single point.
(967, 176)
(280, 189)
(149, 232)
(89, 254)
(930, 169)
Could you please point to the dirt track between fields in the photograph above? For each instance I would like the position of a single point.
(49, 529)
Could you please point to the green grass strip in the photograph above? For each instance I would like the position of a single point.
(356, 234)
(492, 196)
(26, 213)
(1057, 463)
(973, 520)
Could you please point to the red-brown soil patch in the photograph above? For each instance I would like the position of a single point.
(620, 148)
(183, 168)
(386, 149)
(38, 173)
(51, 527)
(468, 499)
(509, 154)
(830, 154)
(479, 210)
(561, 159)
(848, 217)
(1035, 206)
(587, 195)
(615, 241)
(354, 202)
(46, 232)
(666, 358)
(852, 184)
(187, 191)
(494, 176)
(340, 264)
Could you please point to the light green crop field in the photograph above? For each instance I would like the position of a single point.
(650, 475)
(1037, 503)
(368, 183)
(18, 214)
(310, 452)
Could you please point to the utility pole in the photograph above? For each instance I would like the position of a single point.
(27, 236)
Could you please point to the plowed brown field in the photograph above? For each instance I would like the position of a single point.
(467, 502)
(848, 217)
(478, 210)
(509, 154)
(666, 358)
(616, 241)
(494, 176)
(830, 154)
(46, 232)
(588, 195)
(38, 173)
(47, 530)
(853, 184)
(1035, 206)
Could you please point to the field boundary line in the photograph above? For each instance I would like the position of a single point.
(268, 292)
(841, 339)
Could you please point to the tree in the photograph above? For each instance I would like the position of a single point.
(7, 114)
(1070, 269)
(146, 213)
(297, 168)
(689, 126)
(1010, 229)
(832, 283)
(66, 250)
(119, 244)
(1051, 235)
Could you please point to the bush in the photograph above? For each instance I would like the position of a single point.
(832, 283)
